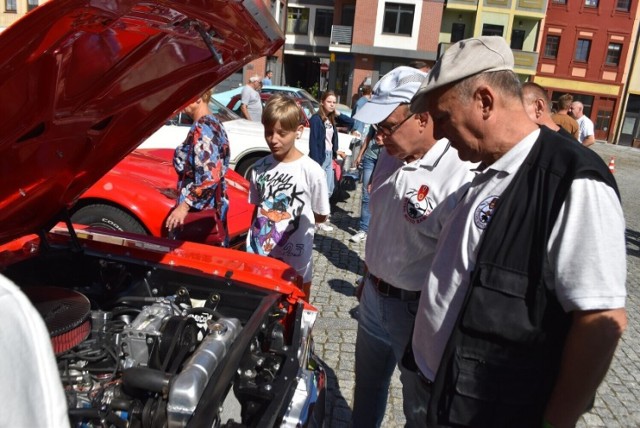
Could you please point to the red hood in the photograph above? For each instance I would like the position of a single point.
(82, 83)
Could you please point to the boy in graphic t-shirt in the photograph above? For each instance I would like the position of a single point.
(289, 190)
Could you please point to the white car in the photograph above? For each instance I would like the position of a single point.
(246, 138)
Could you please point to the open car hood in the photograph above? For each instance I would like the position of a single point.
(83, 82)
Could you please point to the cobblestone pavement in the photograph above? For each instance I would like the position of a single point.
(339, 262)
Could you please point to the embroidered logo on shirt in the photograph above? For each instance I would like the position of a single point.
(418, 205)
(483, 213)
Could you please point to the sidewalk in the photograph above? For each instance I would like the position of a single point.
(338, 262)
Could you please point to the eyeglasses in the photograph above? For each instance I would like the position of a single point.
(386, 131)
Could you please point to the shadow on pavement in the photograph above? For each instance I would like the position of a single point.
(342, 287)
(339, 254)
(633, 243)
(336, 403)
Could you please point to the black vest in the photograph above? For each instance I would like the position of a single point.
(502, 359)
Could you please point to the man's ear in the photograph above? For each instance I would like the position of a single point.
(540, 107)
(485, 95)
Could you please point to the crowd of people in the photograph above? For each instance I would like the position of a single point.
(494, 278)
(478, 202)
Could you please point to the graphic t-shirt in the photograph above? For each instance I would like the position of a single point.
(287, 195)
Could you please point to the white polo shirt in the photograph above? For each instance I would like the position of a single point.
(31, 390)
(586, 250)
(400, 243)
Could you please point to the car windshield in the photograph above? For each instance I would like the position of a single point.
(307, 108)
(221, 112)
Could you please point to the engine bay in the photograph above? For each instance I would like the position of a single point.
(141, 345)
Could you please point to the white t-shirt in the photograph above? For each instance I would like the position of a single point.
(586, 128)
(30, 390)
(251, 98)
(287, 195)
(400, 243)
(587, 253)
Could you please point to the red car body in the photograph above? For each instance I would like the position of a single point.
(148, 331)
(143, 187)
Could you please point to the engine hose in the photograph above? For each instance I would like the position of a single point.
(95, 414)
(146, 379)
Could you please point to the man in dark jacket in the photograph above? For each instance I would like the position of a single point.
(523, 305)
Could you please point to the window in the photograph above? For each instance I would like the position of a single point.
(298, 20)
(324, 20)
(591, 3)
(10, 6)
(517, 39)
(492, 30)
(398, 18)
(559, 1)
(551, 47)
(623, 5)
(31, 4)
(613, 54)
(348, 15)
(582, 50)
(457, 32)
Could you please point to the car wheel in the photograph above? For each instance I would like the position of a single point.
(245, 166)
(108, 217)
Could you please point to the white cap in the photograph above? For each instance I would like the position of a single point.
(396, 87)
(253, 79)
(464, 59)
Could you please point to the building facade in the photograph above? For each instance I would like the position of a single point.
(586, 49)
(12, 10)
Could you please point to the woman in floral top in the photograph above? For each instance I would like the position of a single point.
(201, 162)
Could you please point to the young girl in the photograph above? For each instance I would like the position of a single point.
(323, 140)
(289, 191)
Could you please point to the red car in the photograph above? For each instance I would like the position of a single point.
(147, 331)
(138, 194)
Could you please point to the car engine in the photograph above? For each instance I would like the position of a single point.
(177, 356)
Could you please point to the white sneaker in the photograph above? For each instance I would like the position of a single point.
(324, 227)
(359, 237)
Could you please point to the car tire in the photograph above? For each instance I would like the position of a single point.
(245, 166)
(108, 217)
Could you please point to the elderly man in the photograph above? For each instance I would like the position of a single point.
(413, 175)
(523, 305)
(251, 106)
(586, 137)
(536, 104)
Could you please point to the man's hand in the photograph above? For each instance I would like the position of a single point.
(588, 350)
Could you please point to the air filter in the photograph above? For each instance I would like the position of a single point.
(66, 313)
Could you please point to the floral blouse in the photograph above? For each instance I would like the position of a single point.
(201, 162)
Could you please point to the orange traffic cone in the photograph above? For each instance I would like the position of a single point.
(612, 164)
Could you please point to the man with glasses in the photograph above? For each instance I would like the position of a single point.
(414, 174)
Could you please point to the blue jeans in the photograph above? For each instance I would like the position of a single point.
(367, 169)
(327, 166)
(385, 326)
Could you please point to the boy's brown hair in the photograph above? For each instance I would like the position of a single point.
(284, 109)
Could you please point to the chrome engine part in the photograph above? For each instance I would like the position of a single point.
(189, 384)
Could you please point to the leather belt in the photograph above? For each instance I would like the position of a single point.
(387, 290)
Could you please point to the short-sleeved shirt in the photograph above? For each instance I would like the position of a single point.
(251, 98)
(400, 243)
(586, 128)
(568, 123)
(287, 194)
(587, 254)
